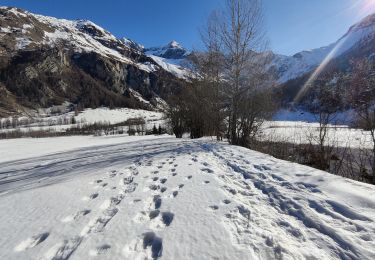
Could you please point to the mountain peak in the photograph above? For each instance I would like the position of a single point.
(174, 44)
(173, 50)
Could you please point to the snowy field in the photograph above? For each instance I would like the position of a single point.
(301, 132)
(88, 116)
(162, 198)
(304, 133)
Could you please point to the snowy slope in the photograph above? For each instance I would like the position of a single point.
(171, 57)
(163, 198)
(290, 67)
(84, 36)
(172, 50)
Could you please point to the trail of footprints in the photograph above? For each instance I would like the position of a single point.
(150, 245)
(66, 248)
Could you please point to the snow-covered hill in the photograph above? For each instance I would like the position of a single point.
(163, 198)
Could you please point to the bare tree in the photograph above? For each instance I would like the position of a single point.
(242, 35)
(176, 114)
(208, 65)
(362, 93)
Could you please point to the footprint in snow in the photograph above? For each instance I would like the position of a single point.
(164, 180)
(163, 189)
(214, 207)
(155, 178)
(154, 187)
(155, 242)
(94, 196)
(157, 201)
(154, 214)
(174, 174)
(31, 242)
(174, 194)
(77, 216)
(167, 218)
(208, 170)
(100, 250)
(206, 182)
(226, 202)
(181, 186)
(91, 197)
(189, 177)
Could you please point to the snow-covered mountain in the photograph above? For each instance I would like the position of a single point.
(172, 50)
(46, 61)
(291, 67)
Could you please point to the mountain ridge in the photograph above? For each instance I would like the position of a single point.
(128, 73)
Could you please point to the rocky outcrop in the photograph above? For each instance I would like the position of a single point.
(46, 61)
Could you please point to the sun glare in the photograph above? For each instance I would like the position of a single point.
(367, 7)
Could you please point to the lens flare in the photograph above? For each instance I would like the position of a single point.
(320, 68)
(364, 7)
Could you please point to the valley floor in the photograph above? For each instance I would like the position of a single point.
(159, 197)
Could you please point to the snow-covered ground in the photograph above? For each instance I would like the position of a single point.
(160, 197)
(304, 133)
(88, 116)
(119, 115)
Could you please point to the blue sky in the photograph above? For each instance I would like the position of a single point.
(292, 25)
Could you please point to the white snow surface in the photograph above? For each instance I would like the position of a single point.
(118, 115)
(305, 133)
(173, 66)
(164, 198)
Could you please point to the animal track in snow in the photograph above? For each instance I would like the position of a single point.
(31, 242)
(164, 180)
